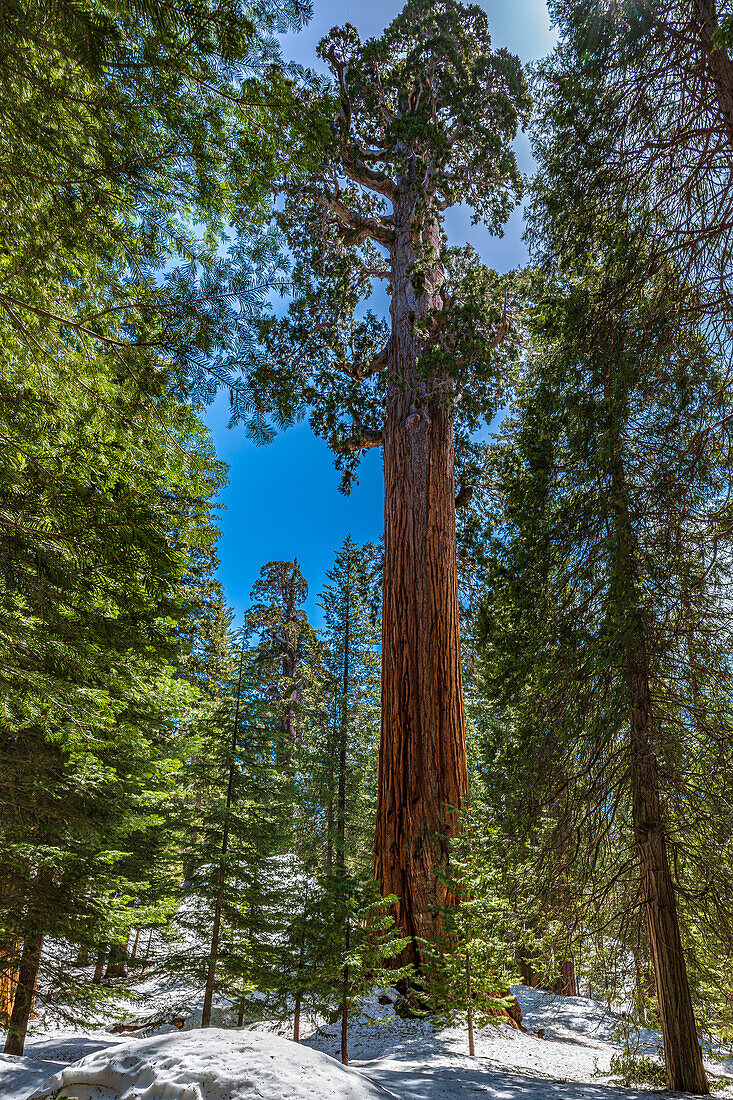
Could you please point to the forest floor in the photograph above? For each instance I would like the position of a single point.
(563, 1053)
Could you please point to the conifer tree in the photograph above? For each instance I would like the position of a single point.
(135, 126)
(468, 961)
(420, 119)
(350, 605)
(613, 478)
(636, 109)
(100, 514)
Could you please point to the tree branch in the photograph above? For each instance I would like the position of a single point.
(360, 173)
(375, 365)
(360, 440)
(503, 327)
(361, 225)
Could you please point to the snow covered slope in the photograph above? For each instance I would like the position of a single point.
(563, 1054)
(210, 1065)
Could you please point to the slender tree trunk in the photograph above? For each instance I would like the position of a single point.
(133, 952)
(146, 956)
(8, 979)
(682, 1053)
(329, 834)
(214, 953)
(299, 979)
(683, 1056)
(422, 756)
(296, 1019)
(30, 960)
(343, 732)
(526, 969)
(99, 966)
(469, 1003)
(345, 1007)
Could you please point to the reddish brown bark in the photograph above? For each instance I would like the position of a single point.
(567, 985)
(30, 960)
(296, 1019)
(683, 1056)
(116, 963)
(8, 979)
(133, 951)
(422, 759)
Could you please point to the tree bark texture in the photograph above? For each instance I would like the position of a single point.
(683, 1056)
(716, 61)
(25, 989)
(567, 985)
(8, 979)
(422, 759)
(116, 964)
(682, 1051)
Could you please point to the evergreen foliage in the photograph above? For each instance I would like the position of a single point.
(351, 607)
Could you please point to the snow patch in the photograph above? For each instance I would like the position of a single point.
(210, 1065)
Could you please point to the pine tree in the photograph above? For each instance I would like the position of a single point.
(350, 606)
(610, 509)
(468, 970)
(100, 514)
(137, 125)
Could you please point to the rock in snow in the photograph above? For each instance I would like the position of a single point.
(210, 1065)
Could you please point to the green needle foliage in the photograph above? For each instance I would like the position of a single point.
(383, 122)
(133, 134)
(469, 963)
(351, 602)
(101, 508)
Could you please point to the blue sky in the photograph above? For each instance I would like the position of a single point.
(282, 501)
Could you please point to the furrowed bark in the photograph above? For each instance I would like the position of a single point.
(8, 979)
(683, 1056)
(682, 1051)
(422, 759)
(30, 960)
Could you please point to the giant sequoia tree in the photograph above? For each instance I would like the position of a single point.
(421, 119)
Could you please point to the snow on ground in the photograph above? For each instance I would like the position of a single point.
(563, 1054)
(570, 1062)
(210, 1065)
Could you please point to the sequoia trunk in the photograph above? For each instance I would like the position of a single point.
(423, 774)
